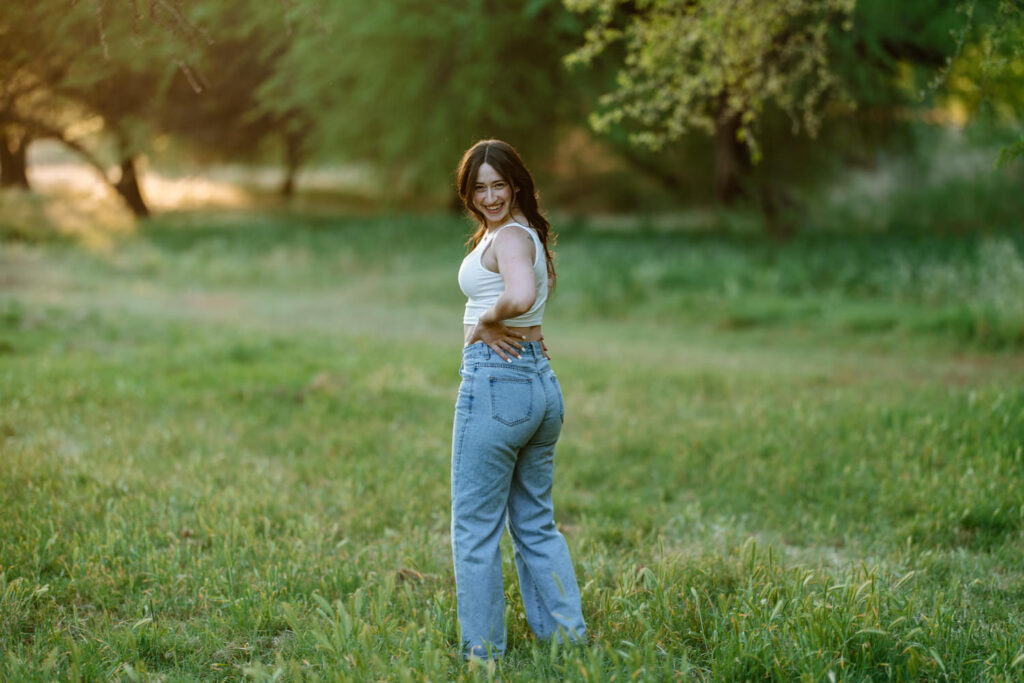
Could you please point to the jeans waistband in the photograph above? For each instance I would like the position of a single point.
(530, 356)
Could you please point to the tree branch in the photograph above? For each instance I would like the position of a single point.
(42, 129)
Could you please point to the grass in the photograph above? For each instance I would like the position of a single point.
(225, 447)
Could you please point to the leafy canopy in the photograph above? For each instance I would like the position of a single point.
(408, 85)
(689, 64)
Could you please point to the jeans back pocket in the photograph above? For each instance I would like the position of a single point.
(511, 399)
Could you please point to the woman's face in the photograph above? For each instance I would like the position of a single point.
(492, 196)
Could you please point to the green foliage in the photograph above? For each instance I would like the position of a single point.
(987, 70)
(896, 53)
(691, 65)
(409, 85)
(212, 104)
(106, 78)
(951, 63)
(872, 71)
(986, 77)
(69, 62)
(1010, 153)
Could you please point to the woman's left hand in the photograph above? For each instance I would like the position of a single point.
(501, 339)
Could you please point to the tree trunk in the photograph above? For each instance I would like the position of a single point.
(732, 159)
(13, 162)
(293, 143)
(128, 187)
(779, 209)
(288, 186)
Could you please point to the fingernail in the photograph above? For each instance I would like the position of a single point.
(508, 360)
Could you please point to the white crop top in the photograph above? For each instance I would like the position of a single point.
(482, 287)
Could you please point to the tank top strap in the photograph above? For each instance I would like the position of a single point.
(511, 223)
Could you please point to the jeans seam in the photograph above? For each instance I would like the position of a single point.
(465, 427)
(561, 397)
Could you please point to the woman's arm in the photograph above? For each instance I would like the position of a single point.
(514, 251)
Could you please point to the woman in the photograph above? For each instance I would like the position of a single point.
(508, 414)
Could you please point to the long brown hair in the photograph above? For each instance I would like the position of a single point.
(504, 159)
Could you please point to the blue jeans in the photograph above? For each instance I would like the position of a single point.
(508, 417)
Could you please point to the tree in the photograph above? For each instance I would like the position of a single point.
(987, 72)
(64, 62)
(123, 79)
(219, 108)
(28, 61)
(408, 85)
(713, 67)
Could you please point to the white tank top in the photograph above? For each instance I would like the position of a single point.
(482, 287)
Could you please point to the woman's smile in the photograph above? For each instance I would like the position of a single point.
(492, 196)
(496, 211)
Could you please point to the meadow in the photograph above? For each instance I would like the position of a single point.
(225, 443)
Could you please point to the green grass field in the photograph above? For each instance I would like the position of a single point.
(225, 446)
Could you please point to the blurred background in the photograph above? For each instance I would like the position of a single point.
(866, 148)
(699, 156)
(620, 108)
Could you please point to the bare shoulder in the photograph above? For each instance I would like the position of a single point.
(514, 239)
(515, 232)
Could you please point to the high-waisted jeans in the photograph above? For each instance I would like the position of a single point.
(508, 417)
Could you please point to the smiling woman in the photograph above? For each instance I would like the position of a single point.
(505, 304)
(508, 415)
(492, 195)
